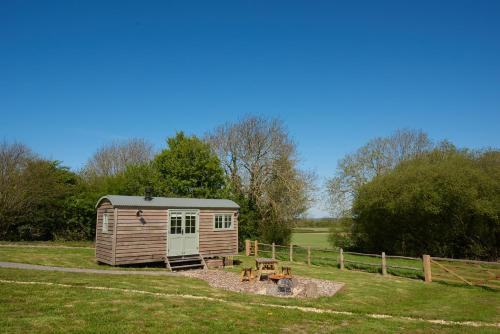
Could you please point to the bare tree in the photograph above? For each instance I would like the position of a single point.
(377, 157)
(260, 160)
(14, 158)
(113, 158)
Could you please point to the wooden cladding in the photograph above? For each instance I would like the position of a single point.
(104, 240)
(141, 236)
(217, 242)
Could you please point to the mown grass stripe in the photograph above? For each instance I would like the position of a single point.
(299, 308)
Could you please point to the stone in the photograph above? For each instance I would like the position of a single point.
(285, 286)
(272, 289)
(311, 290)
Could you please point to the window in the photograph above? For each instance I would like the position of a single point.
(105, 222)
(190, 224)
(218, 221)
(227, 221)
(223, 221)
(176, 224)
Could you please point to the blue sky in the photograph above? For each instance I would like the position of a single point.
(75, 75)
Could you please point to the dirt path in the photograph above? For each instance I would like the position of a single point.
(299, 308)
(16, 265)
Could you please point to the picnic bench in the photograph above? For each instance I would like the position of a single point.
(265, 266)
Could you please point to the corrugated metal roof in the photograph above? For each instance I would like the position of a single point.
(169, 202)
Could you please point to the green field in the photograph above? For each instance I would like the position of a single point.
(316, 233)
(311, 239)
(48, 302)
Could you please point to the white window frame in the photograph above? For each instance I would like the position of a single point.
(183, 213)
(105, 223)
(223, 228)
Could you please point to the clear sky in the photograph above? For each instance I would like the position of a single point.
(75, 75)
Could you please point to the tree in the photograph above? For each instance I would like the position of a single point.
(340, 234)
(14, 158)
(188, 168)
(48, 185)
(113, 159)
(377, 157)
(444, 203)
(33, 194)
(260, 162)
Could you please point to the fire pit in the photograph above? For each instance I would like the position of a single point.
(285, 286)
(276, 277)
(300, 285)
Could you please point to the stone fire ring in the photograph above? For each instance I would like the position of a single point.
(303, 287)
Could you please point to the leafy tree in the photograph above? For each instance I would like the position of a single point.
(377, 157)
(39, 214)
(340, 234)
(188, 168)
(80, 206)
(444, 203)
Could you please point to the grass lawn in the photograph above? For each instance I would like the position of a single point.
(58, 255)
(76, 306)
(85, 244)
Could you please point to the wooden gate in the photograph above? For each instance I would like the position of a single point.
(470, 272)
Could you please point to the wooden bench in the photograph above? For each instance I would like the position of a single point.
(247, 274)
(265, 266)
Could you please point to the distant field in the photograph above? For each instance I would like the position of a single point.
(314, 233)
(318, 239)
(311, 229)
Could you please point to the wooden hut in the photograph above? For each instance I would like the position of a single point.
(182, 232)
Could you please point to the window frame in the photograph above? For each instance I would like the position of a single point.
(223, 222)
(105, 217)
(177, 227)
(182, 213)
(195, 226)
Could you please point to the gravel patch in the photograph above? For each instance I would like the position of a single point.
(304, 287)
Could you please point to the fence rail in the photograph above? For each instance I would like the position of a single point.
(455, 271)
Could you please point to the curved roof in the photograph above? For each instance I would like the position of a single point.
(169, 202)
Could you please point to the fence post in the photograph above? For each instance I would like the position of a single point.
(291, 253)
(341, 259)
(256, 248)
(247, 247)
(274, 251)
(426, 262)
(308, 255)
(384, 264)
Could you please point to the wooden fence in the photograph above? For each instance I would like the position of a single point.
(427, 268)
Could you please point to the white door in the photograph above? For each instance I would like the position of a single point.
(183, 232)
(191, 233)
(175, 234)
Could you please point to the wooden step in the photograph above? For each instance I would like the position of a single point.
(171, 260)
(186, 266)
(175, 264)
(185, 262)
